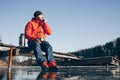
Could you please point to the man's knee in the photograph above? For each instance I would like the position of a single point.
(33, 45)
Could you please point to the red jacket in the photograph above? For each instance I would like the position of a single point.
(37, 29)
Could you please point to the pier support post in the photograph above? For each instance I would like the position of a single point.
(10, 57)
(9, 74)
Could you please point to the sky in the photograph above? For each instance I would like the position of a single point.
(76, 24)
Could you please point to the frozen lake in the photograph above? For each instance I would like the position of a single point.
(63, 73)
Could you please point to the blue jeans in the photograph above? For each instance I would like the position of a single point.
(38, 48)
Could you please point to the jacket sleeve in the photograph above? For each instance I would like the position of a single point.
(28, 32)
(47, 29)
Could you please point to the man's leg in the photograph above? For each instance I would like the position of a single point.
(35, 46)
(47, 48)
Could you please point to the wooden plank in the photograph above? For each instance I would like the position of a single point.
(89, 61)
(7, 45)
(26, 51)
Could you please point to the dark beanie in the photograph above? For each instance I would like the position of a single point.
(36, 13)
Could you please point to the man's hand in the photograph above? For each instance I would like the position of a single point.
(41, 17)
(37, 40)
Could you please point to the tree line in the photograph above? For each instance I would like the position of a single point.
(111, 48)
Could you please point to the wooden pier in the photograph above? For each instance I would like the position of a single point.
(70, 60)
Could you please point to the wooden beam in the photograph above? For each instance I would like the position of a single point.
(10, 57)
(10, 53)
(7, 45)
(91, 61)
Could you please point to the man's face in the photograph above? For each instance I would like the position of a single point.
(41, 17)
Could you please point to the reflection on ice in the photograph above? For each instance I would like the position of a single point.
(63, 73)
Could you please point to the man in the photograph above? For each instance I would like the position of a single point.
(35, 32)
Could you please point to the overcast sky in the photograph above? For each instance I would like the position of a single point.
(76, 24)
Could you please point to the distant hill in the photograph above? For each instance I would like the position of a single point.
(111, 48)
